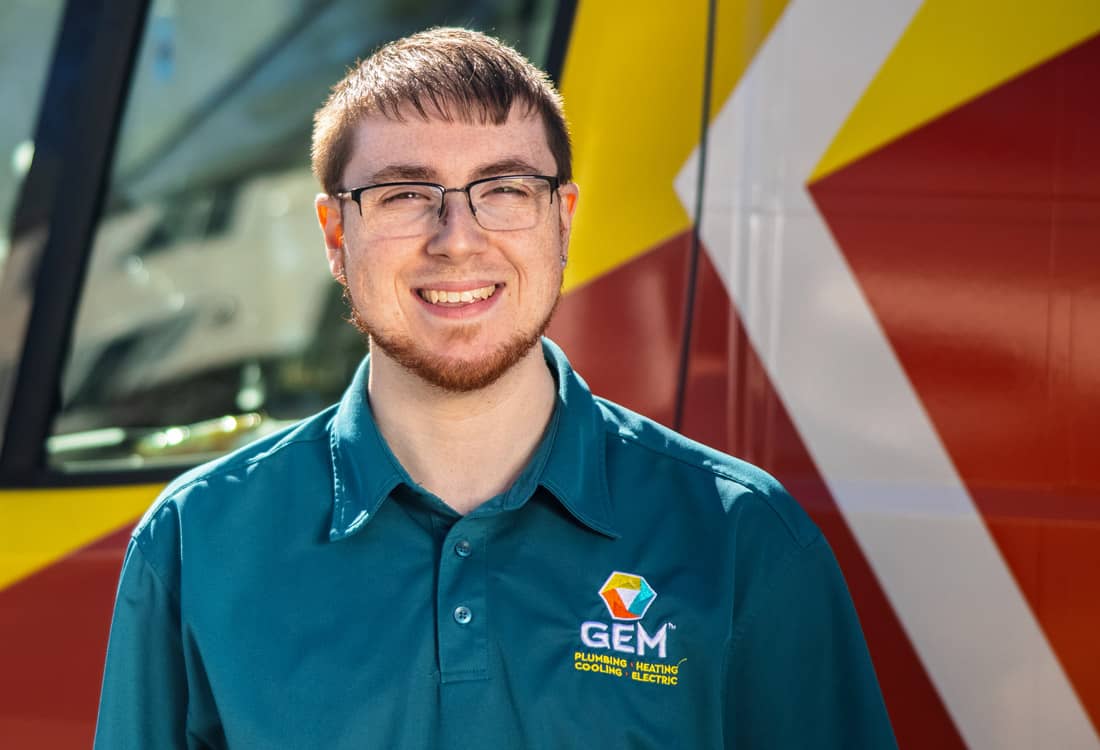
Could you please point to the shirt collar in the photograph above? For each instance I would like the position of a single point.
(570, 462)
(576, 468)
(364, 471)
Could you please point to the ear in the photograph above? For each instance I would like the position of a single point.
(330, 217)
(567, 207)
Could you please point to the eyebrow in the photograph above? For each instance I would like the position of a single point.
(400, 173)
(420, 173)
(505, 166)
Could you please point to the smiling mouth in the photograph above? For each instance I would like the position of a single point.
(452, 298)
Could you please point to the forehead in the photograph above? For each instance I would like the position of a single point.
(447, 152)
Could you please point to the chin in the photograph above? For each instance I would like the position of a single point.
(457, 374)
(454, 374)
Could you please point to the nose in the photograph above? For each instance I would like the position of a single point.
(460, 191)
(457, 232)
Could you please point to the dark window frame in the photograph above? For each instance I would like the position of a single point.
(74, 138)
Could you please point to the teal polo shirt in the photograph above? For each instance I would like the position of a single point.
(632, 589)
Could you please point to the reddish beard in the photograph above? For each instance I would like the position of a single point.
(438, 370)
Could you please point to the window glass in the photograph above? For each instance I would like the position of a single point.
(27, 31)
(208, 316)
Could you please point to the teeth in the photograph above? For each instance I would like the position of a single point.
(436, 296)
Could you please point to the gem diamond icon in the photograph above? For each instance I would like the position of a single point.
(627, 595)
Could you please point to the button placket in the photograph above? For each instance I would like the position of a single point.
(461, 603)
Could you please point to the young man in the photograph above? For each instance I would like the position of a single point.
(470, 548)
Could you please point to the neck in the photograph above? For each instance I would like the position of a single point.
(463, 447)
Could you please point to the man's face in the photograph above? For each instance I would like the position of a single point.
(464, 345)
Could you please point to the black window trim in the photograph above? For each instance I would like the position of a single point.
(93, 60)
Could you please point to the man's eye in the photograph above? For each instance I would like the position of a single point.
(510, 191)
(404, 196)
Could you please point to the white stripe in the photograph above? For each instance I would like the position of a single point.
(850, 400)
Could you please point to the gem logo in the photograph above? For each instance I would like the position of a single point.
(627, 596)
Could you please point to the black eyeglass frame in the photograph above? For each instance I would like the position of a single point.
(356, 194)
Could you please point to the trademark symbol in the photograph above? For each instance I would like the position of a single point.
(672, 626)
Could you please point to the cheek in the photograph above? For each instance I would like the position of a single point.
(550, 277)
(370, 270)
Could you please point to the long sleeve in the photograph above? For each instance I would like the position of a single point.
(799, 674)
(144, 700)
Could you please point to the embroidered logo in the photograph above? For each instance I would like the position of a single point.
(627, 650)
(627, 596)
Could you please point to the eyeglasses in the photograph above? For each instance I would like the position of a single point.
(410, 209)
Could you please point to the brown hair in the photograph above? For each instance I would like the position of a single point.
(446, 73)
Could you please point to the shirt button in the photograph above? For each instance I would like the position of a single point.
(463, 615)
(463, 548)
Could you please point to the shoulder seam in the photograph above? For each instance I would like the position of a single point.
(781, 569)
(139, 546)
(213, 474)
(759, 492)
(241, 463)
(680, 459)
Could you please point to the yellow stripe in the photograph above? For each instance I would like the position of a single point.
(953, 51)
(39, 527)
(632, 84)
(633, 88)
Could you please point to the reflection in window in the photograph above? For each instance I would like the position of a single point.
(208, 316)
(27, 30)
